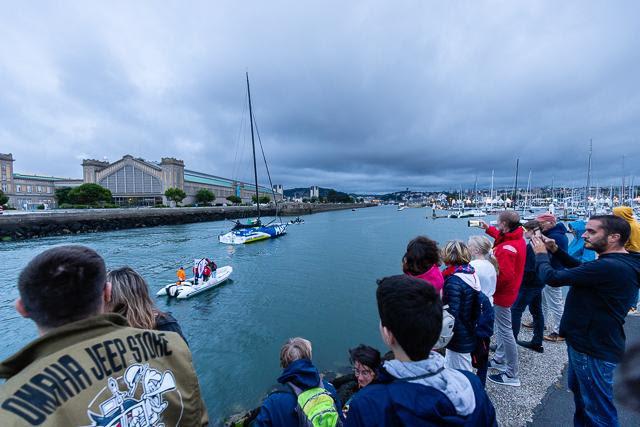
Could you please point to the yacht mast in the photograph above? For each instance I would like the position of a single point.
(253, 146)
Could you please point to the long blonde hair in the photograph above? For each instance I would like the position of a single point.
(482, 246)
(130, 298)
(456, 252)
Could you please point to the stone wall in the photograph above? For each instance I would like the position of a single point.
(60, 222)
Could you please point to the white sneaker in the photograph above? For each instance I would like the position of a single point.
(504, 379)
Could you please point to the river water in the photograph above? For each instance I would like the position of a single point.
(318, 282)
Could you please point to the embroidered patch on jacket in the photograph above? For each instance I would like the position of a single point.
(142, 402)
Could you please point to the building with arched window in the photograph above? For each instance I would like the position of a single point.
(138, 182)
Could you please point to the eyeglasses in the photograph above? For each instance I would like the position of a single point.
(362, 372)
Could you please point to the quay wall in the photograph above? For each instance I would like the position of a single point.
(60, 222)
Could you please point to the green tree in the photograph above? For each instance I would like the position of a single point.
(263, 199)
(205, 196)
(62, 195)
(314, 199)
(3, 198)
(175, 194)
(89, 194)
(234, 199)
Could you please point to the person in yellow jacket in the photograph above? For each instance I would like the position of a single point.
(88, 368)
(633, 245)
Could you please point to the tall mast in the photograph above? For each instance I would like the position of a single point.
(491, 195)
(622, 188)
(526, 195)
(588, 189)
(253, 146)
(515, 184)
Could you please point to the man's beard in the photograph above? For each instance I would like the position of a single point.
(597, 245)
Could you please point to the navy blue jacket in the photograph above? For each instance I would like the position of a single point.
(279, 408)
(530, 279)
(601, 294)
(558, 233)
(461, 299)
(389, 403)
(166, 322)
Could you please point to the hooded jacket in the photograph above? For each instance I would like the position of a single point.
(626, 213)
(558, 233)
(576, 247)
(279, 408)
(422, 393)
(601, 294)
(434, 277)
(460, 294)
(511, 253)
(97, 371)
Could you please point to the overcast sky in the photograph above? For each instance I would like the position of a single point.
(359, 96)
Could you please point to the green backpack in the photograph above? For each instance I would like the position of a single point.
(316, 407)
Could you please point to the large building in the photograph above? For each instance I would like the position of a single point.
(138, 182)
(27, 192)
(132, 181)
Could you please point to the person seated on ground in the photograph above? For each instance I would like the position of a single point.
(182, 276)
(529, 295)
(422, 260)
(365, 361)
(460, 294)
(130, 299)
(283, 407)
(416, 388)
(85, 361)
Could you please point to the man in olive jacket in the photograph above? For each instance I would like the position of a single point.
(88, 368)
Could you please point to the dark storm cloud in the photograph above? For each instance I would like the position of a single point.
(362, 96)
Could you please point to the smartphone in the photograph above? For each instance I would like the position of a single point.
(473, 223)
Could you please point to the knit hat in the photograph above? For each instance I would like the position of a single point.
(547, 217)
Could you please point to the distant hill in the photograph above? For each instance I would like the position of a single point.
(325, 193)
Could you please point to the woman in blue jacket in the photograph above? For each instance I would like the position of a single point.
(460, 294)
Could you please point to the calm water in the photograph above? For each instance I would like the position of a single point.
(318, 282)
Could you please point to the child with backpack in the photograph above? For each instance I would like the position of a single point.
(417, 388)
(303, 398)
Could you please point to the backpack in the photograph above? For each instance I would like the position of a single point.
(448, 322)
(486, 316)
(315, 407)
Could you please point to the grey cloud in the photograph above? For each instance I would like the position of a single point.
(363, 96)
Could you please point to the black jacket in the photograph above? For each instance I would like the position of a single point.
(559, 234)
(601, 294)
(166, 322)
(462, 301)
(530, 279)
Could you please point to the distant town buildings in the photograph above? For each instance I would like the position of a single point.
(278, 189)
(132, 182)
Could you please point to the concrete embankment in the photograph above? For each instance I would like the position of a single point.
(18, 226)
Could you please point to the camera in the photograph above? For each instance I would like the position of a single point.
(473, 223)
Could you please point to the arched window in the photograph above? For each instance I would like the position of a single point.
(131, 180)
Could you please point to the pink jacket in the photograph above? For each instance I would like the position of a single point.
(434, 277)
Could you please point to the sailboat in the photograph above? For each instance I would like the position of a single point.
(254, 230)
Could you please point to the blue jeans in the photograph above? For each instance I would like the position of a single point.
(591, 381)
(531, 297)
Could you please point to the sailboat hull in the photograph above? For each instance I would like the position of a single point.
(251, 235)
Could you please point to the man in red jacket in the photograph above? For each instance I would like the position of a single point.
(510, 250)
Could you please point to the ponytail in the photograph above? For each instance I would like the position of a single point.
(482, 246)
